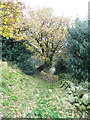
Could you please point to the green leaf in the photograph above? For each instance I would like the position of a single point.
(80, 91)
(72, 99)
(85, 99)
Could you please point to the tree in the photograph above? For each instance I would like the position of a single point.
(10, 17)
(46, 34)
(79, 50)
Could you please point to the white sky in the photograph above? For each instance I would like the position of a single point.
(68, 8)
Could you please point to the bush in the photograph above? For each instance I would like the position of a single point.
(16, 52)
(78, 50)
(78, 95)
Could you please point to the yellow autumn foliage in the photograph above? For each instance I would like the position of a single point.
(10, 14)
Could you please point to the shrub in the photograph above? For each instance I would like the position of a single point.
(78, 50)
(78, 95)
(16, 52)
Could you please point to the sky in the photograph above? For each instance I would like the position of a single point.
(67, 8)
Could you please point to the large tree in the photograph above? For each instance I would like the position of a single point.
(46, 34)
(41, 30)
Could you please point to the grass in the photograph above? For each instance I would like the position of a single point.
(25, 96)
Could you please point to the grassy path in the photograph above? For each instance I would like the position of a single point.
(24, 96)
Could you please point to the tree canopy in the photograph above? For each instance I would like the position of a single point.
(46, 33)
(11, 14)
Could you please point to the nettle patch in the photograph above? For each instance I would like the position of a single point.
(78, 96)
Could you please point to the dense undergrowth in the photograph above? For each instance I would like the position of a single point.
(16, 52)
(78, 94)
(24, 96)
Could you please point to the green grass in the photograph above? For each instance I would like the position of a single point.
(25, 96)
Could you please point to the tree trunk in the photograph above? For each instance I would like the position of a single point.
(42, 67)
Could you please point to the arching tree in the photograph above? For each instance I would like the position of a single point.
(46, 34)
